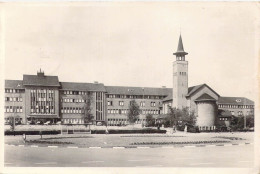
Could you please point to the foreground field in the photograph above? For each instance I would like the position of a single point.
(132, 140)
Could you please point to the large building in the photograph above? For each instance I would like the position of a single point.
(45, 98)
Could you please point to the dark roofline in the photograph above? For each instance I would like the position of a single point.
(138, 87)
(238, 103)
(237, 97)
(101, 85)
(203, 85)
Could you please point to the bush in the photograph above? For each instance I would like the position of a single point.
(140, 131)
(194, 129)
(53, 132)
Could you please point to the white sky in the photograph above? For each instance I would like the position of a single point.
(131, 44)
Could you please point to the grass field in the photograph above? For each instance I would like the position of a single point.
(90, 140)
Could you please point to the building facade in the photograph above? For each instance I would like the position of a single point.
(44, 98)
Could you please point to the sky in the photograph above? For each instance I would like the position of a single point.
(132, 44)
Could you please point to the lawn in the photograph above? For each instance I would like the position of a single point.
(131, 140)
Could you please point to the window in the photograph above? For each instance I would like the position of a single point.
(110, 103)
(21, 109)
(11, 109)
(121, 103)
(153, 104)
(142, 103)
(6, 108)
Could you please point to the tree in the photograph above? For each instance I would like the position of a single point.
(237, 123)
(172, 117)
(150, 121)
(180, 117)
(188, 117)
(133, 112)
(250, 121)
(86, 110)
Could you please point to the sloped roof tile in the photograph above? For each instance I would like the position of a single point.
(124, 90)
(34, 80)
(82, 86)
(205, 97)
(14, 84)
(235, 101)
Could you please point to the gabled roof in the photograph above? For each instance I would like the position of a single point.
(205, 97)
(82, 86)
(194, 89)
(35, 80)
(235, 101)
(14, 84)
(124, 90)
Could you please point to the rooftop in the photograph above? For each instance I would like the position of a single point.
(40, 80)
(124, 90)
(82, 86)
(180, 49)
(235, 101)
(14, 84)
(205, 97)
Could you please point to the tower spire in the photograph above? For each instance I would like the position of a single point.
(180, 53)
(180, 50)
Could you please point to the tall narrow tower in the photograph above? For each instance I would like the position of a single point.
(180, 77)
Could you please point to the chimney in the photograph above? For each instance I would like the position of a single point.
(40, 73)
(95, 82)
(163, 86)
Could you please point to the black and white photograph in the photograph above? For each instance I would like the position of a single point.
(129, 87)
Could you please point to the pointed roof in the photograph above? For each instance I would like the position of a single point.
(180, 49)
(205, 97)
(194, 89)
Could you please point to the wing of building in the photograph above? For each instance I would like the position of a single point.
(45, 98)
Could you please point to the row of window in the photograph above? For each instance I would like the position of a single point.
(15, 109)
(223, 119)
(183, 73)
(14, 99)
(121, 103)
(42, 91)
(75, 92)
(14, 90)
(236, 106)
(73, 121)
(124, 111)
(123, 119)
(181, 58)
(70, 100)
(41, 99)
(135, 96)
(42, 110)
(72, 110)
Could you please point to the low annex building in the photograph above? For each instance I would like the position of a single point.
(43, 97)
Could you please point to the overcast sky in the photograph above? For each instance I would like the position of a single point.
(131, 44)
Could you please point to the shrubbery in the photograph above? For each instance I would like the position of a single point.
(139, 131)
(53, 132)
